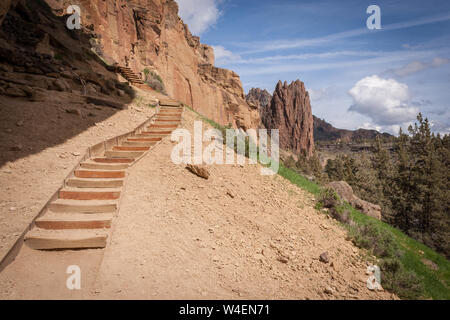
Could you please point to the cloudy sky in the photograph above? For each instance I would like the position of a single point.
(357, 78)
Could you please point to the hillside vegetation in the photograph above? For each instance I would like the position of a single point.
(409, 268)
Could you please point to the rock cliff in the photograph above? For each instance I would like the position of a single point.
(324, 131)
(290, 112)
(258, 98)
(148, 35)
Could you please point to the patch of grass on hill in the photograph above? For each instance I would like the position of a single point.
(299, 180)
(403, 260)
(435, 283)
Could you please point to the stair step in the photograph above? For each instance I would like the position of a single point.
(157, 139)
(89, 194)
(151, 132)
(168, 121)
(113, 160)
(41, 239)
(146, 144)
(81, 206)
(55, 221)
(94, 183)
(99, 174)
(170, 103)
(131, 148)
(123, 154)
(163, 126)
(163, 118)
(149, 135)
(171, 114)
(103, 166)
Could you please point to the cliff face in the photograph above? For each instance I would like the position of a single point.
(5, 5)
(148, 34)
(323, 131)
(290, 112)
(258, 98)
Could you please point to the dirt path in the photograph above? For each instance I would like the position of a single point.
(238, 235)
(45, 159)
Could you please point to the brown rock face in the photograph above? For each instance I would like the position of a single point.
(290, 112)
(258, 98)
(5, 5)
(149, 34)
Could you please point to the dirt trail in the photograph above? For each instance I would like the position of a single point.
(238, 235)
(45, 157)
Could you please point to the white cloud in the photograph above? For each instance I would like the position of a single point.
(321, 94)
(224, 56)
(417, 66)
(199, 15)
(385, 101)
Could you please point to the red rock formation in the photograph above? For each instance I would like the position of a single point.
(258, 98)
(149, 34)
(290, 112)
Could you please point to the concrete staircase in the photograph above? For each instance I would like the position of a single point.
(130, 75)
(82, 214)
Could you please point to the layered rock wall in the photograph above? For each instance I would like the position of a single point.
(148, 34)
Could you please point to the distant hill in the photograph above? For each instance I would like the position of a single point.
(324, 131)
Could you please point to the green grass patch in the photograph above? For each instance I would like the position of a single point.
(435, 283)
(299, 180)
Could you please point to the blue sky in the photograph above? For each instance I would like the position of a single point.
(356, 77)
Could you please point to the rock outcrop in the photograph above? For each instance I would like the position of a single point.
(324, 131)
(5, 5)
(345, 191)
(148, 34)
(290, 112)
(258, 98)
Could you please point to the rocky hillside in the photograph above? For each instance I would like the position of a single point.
(324, 131)
(288, 110)
(148, 35)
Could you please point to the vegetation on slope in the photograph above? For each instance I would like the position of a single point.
(409, 268)
(411, 183)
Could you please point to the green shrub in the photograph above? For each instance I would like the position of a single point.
(341, 214)
(329, 198)
(153, 80)
(379, 242)
(396, 279)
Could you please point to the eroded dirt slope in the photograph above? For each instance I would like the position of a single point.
(238, 235)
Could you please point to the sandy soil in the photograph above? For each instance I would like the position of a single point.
(51, 141)
(238, 235)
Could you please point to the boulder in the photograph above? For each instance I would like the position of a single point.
(345, 191)
(14, 91)
(61, 85)
(200, 171)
